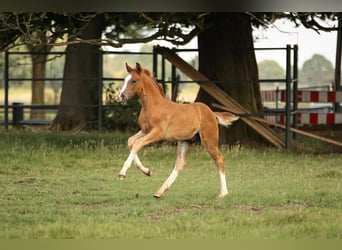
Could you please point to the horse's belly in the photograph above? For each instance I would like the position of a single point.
(180, 134)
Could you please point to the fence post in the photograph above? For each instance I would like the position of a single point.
(174, 87)
(100, 91)
(6, 64)
(163, 72)
(288, 98)
(17, 113)
(338, 86)
(155, 62)
(295, 88)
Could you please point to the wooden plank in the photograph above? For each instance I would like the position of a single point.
(301, 132)
(229, 103)
(337, 143)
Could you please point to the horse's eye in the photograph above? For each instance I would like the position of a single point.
(134, 81)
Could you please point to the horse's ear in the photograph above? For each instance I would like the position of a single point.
(129, 69)
(138, 67)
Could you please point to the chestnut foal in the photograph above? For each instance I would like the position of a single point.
(161, 119)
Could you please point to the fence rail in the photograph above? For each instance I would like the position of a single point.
(289, 114)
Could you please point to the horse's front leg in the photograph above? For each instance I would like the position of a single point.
(133, 138)
(126, 166)
(141, 167)
(133, 156)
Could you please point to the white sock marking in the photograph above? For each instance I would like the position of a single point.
(224, 190)
(127, 163)
(171, 178)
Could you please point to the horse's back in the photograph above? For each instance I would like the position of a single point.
(196, 113)
(206, 113)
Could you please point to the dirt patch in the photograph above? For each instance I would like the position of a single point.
(293, 206)
(25, 181)
(286, 206)
(250, 208)
(239, 207)
(178, 210)
(94, 205)
(330, 174)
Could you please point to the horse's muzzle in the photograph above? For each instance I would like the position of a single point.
(122, 99)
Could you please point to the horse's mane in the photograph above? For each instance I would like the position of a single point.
(160, 87)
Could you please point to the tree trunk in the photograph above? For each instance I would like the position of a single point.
(38, 72)
(80, 84)
(38, 86)
(226, 57)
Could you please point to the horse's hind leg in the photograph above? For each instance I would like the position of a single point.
(219, 160)
(210, 141)
(182, 148)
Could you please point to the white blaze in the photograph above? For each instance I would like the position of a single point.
(127, 78)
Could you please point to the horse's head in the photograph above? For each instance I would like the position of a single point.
(132, 85)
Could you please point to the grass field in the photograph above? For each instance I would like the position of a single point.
(64, 186)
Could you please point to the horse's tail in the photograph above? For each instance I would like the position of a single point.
(225, 118)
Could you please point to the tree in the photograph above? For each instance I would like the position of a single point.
(39, 56)
(33, 30)
(81, 70)
(317, 71)
(270, 69)
(227, 58)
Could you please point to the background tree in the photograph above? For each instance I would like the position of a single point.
(270, 69)
(226, 56)
(39, 57)
(317, 71)
(81, 71)
(35, 30)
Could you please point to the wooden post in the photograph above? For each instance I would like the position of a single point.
(288, 98)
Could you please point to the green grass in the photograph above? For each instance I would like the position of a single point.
(55, 185)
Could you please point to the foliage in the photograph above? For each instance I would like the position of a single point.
(122, 28)
(317, 71)
(61, 185)
(118, 116)
(130, 27)
(270, 69)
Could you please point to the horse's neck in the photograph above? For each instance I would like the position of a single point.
(151, 96)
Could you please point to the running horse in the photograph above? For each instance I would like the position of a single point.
(162, 119)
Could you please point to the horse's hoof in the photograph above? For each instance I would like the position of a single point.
(156, 195)
(149, 173)
(221, 196)
(121, 177)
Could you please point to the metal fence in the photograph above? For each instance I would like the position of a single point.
(16, 109)
(290, 81)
